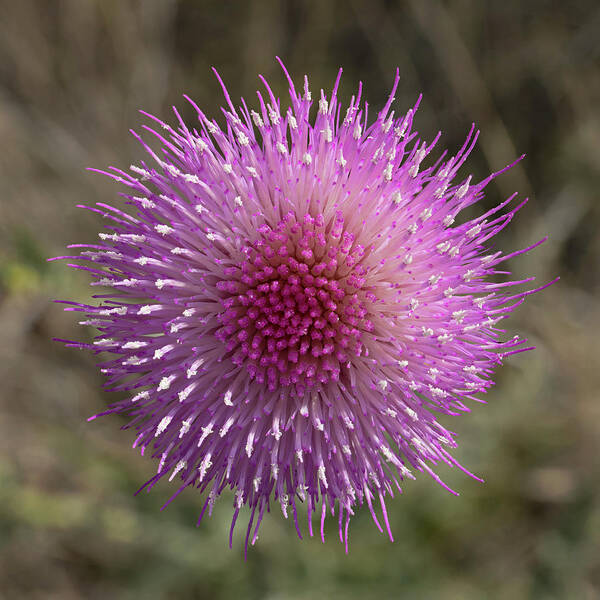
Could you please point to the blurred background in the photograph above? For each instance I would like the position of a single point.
(73, 74)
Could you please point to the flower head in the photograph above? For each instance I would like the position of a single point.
(293, 303)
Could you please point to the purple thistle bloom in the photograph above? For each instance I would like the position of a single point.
(292, 304)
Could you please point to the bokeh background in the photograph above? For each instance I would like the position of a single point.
(73, 74)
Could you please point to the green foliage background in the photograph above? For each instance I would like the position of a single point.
(73, 74)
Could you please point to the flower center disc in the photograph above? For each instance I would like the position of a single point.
(295, 309)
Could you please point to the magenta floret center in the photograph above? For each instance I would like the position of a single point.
(295, 311)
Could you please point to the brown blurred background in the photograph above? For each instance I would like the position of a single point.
(73, 74)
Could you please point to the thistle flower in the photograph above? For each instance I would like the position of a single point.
(292, 303)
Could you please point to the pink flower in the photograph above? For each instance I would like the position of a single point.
(293, 302)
